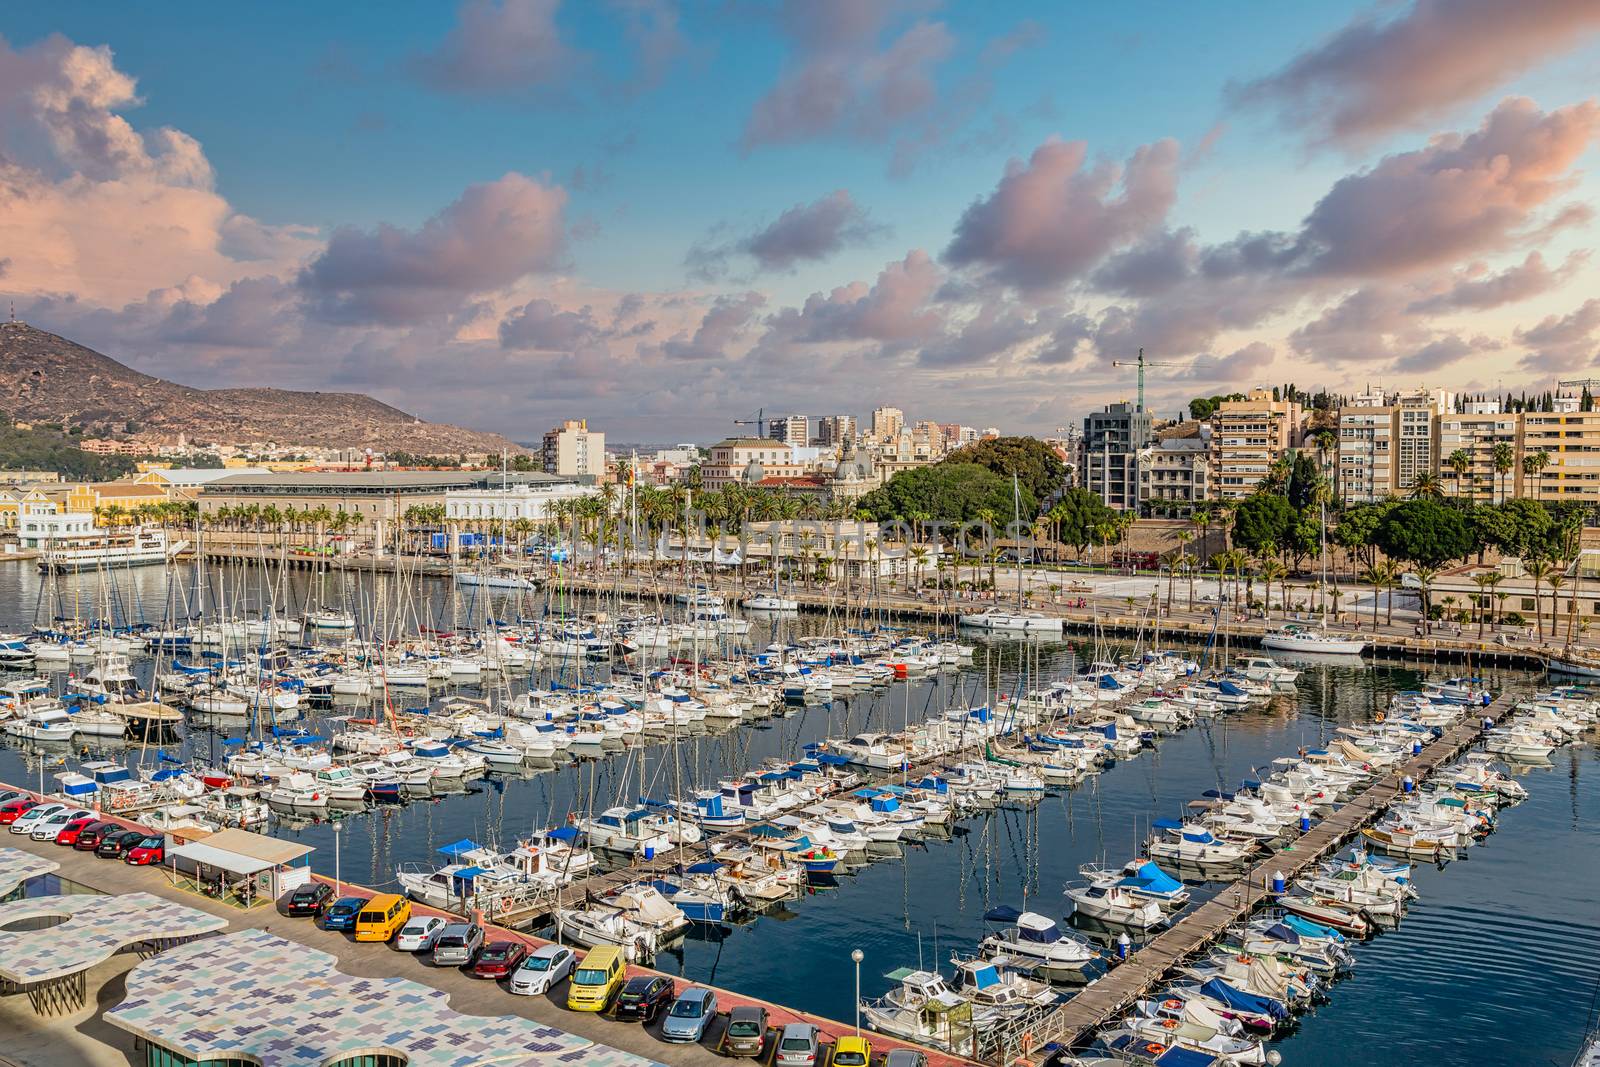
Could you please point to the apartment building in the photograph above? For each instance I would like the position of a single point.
(1175, 473)
(836, 431)
(1386, 442)
(572, 449)
(1247, 437)
(887, 423)
(790, 429)
(1112, 440)
(1567, 440)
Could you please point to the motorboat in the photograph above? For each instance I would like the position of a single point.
(644, 831)
(996, 990)
(637, 919)
(924, 1009)
(1038, 941)
(1193, 844)
(1114, 905)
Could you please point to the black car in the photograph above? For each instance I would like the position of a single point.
(310, 899)
(92, 835)
(646, 997)
(116, 845)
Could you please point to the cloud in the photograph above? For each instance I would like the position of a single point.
(652, 28)
(842, 79)
(1440, 353)
(894, 309)
(492, 235)
(1052, 219)
(1378, 75)
(1476, 289)
(1460, 195)
(498, 46)
(723, 324)
(1562, 343)
(1246, 364)
(805, 232)
(541, 325)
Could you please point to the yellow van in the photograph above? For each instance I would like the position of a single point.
(596, 979)
(382, 917)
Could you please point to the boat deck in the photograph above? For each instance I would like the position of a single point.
(1074, 1023)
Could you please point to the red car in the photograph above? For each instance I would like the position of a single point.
(68, 834)
(499, 959)
(90, 836)
(12, 810)
(152, 849)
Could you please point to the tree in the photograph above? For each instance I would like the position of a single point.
(1274, 571)
(1485, 582)
(1262, 522)
(1503, 457)
(1357, 529)
(1460, 462)
(1425, 577)
(1424, 532)
(1426, 484)
(1378, 576)
(1538, 570)
(1304, 478)
(1556, 581)
(1078, 515)
(955, 492)
(1039, 471)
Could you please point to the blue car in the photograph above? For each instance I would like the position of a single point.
(341, 914)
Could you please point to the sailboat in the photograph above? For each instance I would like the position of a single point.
(1018, 619)
(1319, 641)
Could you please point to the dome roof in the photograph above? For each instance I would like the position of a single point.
(853, 468)
(754, 473)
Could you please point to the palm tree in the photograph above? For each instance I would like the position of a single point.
(1555, 580)
(1426, 484)
(1533, 468)
(1460, 462)
(1273, 570)
(1485, 583)
(1184, 537)
(1377, 576)
(1538, 570)
(1425, 577)
(1504, 458)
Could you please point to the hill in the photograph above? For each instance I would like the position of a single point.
(46, 378)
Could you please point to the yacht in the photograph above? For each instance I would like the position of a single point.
(1321, 641)
(1011, 621)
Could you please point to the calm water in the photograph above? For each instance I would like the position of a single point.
(1495, 965)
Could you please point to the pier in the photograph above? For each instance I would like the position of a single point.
(1074, 1023)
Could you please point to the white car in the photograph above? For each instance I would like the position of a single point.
(419, 934)
(545, 967)
(47, 828)
(27, 821)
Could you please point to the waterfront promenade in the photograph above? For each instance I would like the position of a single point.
(40, 1042)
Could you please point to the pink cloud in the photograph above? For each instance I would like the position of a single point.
(1379, 74)
(498, 46)
(1053, 219)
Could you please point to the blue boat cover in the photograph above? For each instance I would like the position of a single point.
(1310, 929)
(1185, 1057)
(1005, 913)
(466, 844)
(565, 833)
(1239, 1000)
(706, 867)
(1166, 824)
(1152, 879)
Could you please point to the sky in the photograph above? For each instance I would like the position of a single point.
(663, 216)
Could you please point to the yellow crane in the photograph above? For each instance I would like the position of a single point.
(1142, 363)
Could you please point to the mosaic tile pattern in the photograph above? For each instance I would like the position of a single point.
(251, 993)
(17, 866)
(96, 928)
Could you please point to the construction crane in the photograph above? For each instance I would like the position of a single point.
(759, 422)
(1142, 364)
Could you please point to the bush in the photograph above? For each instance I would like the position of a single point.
(1513, 618)
(1435, 613)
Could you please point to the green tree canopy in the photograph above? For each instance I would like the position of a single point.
(1262, 523)
(1357, 529)
(1039, 470)
(1425, 533)
(1079, 514)
(1203, 407)
(1304, 478)
(946, 492)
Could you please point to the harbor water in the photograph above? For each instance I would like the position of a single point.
(1496, 965)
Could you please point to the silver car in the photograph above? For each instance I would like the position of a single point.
(797, 1046)
(419, 934)
(457, 945)
(547, 965)
(689, 1015)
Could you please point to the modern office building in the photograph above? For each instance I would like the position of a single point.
(1112, 440)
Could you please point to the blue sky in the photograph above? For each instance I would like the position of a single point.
(369, 121)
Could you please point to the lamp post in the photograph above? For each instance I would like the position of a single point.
(857, 956)
(337, 890)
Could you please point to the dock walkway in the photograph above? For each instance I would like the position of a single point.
(1074, 1023)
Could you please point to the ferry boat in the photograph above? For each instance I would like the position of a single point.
(137, 547)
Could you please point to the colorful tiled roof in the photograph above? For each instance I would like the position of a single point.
(94, 928)
(17, 866)
(251, 994)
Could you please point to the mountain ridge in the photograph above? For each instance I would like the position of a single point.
(47, 378)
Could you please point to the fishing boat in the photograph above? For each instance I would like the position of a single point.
(636, 918)
(922, 1008)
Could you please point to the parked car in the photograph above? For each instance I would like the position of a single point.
(645, 997)
(852, 1051)
(418, 935)
(25, 822)
(48, 827)
(797, 1046)
(90, 836)
(747, 1031)
(113, 845)
(68, 834)
(12, 810)
(309, 899)
(498, 959)
(457, 945)
(150, 849)
(341, 914)
(8, 795)
(544, 967)
(690, 1014)
(905, 1057)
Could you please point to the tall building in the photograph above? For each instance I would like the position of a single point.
(573, 449)
(836, 431)
(887, 424)
(1569, 440)
(1247, 437)
(1364, 471)
(1475, 433)
(1112, 440)
(790, 429)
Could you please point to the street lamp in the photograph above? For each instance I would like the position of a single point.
(857, 956)
(337, 891)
